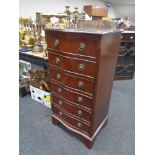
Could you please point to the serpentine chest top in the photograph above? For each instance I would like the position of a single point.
(82, 66)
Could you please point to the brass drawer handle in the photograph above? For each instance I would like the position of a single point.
(60, 113)
(79, 99)
(57, 61)
(131, 37)
(58, 76)
(82, 47)
(80, 84)
(79, 112)
(60, 102)
(56, 42)
(81, 67)
(59, 90)
(79, 125)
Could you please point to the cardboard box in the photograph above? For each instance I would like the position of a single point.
(41, 96)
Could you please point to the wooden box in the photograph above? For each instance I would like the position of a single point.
(92, 10)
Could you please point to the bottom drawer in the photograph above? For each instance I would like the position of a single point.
(70, 121)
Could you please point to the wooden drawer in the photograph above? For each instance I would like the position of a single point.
(73, 44)
(127, 37)
(77, 83)
(74, 97)
(72, 109)
(71, 121)
(74, 65)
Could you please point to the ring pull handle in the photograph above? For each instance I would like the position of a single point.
(60, 113)
(79, 112)
(58, 76)
(82, 47)
(80, 84)
(57, 61)
(60, 102)
(79, 125)
(81, 67)
(56, 43)
(59, 90)
(79, 99)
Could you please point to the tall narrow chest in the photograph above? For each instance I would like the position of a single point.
(82, 66)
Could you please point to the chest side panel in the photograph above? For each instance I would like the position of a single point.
(106, 67)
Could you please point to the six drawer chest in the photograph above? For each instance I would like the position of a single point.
(82, 66)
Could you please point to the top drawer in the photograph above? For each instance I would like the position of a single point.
(73, 44)
(128, 37)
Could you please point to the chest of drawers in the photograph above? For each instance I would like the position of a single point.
(82, 68)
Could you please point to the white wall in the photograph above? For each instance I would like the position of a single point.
(125, 10)
(30, 7)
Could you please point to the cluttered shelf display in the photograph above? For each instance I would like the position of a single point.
(32, 37)
(32, 43)
(31, 33)
(81, 75)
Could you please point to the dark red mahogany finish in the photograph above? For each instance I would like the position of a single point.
(82, 67)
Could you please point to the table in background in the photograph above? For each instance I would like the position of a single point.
(35, 58)
(125, 67)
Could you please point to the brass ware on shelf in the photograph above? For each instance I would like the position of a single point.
(26, 36)
(76, 14)
(46, 20)
(31, 35)
(68, 18)
(40, 79)
(67, 11)
(62, 24)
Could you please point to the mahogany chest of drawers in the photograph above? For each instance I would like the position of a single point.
(82, 69)
(125, 67)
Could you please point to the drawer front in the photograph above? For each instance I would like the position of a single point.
(72, 109)
(80, 66)
(128, 37)
(75, 45)
(81, 84)
(71, 121)
(76, 98)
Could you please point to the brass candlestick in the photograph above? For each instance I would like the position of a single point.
(69, 13)
(75, 14)
(62, 23)
(26, 37)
